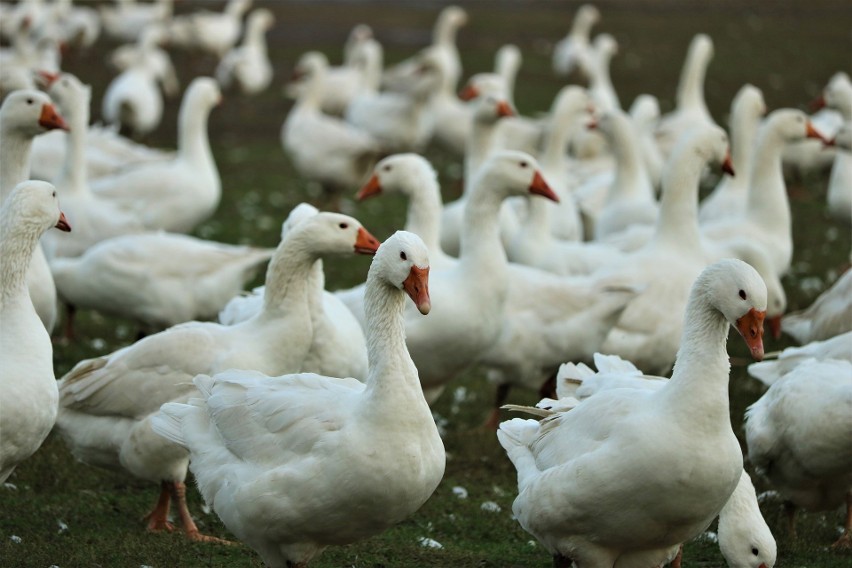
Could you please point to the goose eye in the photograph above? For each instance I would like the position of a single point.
(29, 101)
(742, 294)
(54, 194)
(755, 551)
(343, 225)
(387, 168)
(402, 255)
(523, 164)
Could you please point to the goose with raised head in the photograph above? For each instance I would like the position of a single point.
(338, 347)
(839, 96)
(26, 353)
(644, 334)
(178, 194)
(324, 148)
(95, 218)
(400, 121)
(23, 115)
(690, 107)
(208, 31)
(767, 219)
(303, 447)
(156, 279)
(603, 517)
(827, 316)
(799, 437)
(487, 111)
(106, 403)
(247, 66)
(630, 199)
(573, 53)
(730, 195)
(645, 112)
(603, 93)
(133, 100)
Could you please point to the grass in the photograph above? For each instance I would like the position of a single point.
(68, 514)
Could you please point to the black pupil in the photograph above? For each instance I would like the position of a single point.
(402, 256)
(742, 294)
(343, 225)
(754, 551)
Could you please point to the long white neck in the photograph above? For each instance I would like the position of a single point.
(193, 142)
(768, 205)
(424, 210)
(73, 178)
(480, 247)
(631, 176)
(700, 375)
(690, 89)
(17, 243)
(479, 145)
(14, 161)
(311, 97)
(677, 224)
(256, 35)
(288, 277)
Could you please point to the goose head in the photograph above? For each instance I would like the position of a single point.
(510, 172)
(310, 65)
(709, 143)
(34, 204)
(204, 92)
(587, 16)
(69, 93)
(736, 290)
(298, 214)
(449, 21)
(605, 46)
(744, 538)
(260, 19)
(334, 233)
(791, 125)
(749, 102)
(403, 262)
(489, 108)
(30, 112)
(837, 95)
(397, 174)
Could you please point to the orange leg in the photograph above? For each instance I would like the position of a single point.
(192, 532)
(845, 540)
(158, 517)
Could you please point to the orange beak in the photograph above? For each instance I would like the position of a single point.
(750, 327)
(372, 188)
(47, 78)
(814, 133)
(469, 93)
(365, 243)
(728, 165)
(540, 187)
(63, 224)
(417, 288)
(504, 110)
(50, 119)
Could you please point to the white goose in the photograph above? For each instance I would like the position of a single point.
(691, 108)
(799, 436)
(133, 99)
(829, 315)
(324, 148)
(839, 96)
(644, 334)
(603, 518)
(247, 66)
(339, 347)
(767, 219)
(600, 83)
(400, 121)
(23, 115)
(645, 112)
(837, 347)
(573, 52)
(208, 31)
(487, 111)
(95, 218)
(730, 195)
(157, 279)
(178, 194)
(294, 447)
(26, 353)
(106, 403)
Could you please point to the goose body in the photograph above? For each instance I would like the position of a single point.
(23, 115)
(106, 426)
(26, 353)
(828, 316)
(799, 435)
(157, 279)
(178, 194)
(308, 445)
(208, 31)
(247, 66)
(602, 517)
(840, 180)
(128, 18)
(573, 52)
(769, 372)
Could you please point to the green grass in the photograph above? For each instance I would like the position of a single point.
(788, 49)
